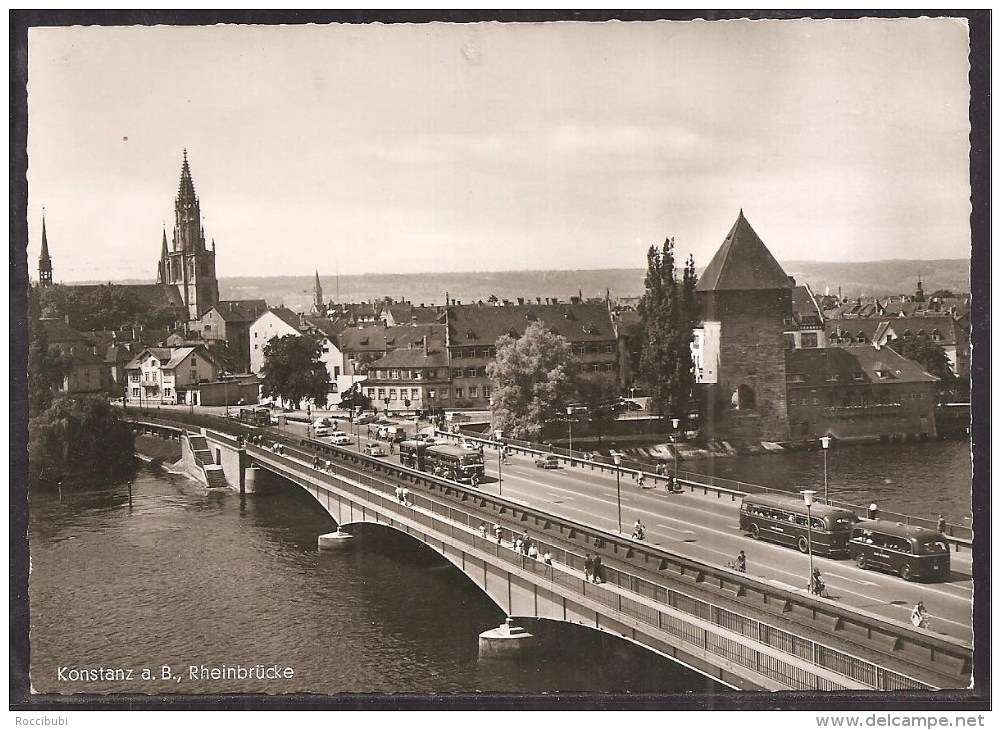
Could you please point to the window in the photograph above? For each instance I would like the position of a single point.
(833, 377)
(337, 369)
(816, 401)
(596, 368)
(472, 391)
(392, 393)
(609, 367)
(860, 338)
(470, 372)
(809, 339)
(394, 374)
(194, 376)
(382, 393)
(936, 335)
(457, 353)
(134, 377)
(803, 402)
(458, 393)
(136, 393)
(432, 373)
(371, 393)
(457, 372)
(743, 398)
(485, 352)
(487, 390)
(609, 348)
(166, 392)
(790, 341)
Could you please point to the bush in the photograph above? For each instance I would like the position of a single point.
(81, 439)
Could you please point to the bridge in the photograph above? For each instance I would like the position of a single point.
(670, 593)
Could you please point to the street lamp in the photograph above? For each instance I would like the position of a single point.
(674, 440)
(808, 495)
(825, 442)
(386, 401)
(570, 429)
(500, 460)
(617, 458)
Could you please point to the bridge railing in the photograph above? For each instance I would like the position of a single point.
(802, 606)
(961, 536)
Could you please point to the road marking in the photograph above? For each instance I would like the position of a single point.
(855, 580)
(675, 529)
(787, 586)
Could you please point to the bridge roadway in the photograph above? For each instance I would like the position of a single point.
(884, 656)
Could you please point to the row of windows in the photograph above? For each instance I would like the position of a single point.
(770, 513)
(849, 399)
(413, 394)
(460, 352)
(428, 374)
(469, 372)
(597, 367)
(474, 392)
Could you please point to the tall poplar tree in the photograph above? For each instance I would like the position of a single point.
(668, 311)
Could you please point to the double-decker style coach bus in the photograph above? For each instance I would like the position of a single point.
(914, 553)
(782, 519)
(450, 462)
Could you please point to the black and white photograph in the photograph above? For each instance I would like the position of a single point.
(512, 361)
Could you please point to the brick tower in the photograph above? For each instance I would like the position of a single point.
(188, 264)
(746, 301)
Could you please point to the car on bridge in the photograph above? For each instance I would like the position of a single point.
(374, 450)
(547, 461)
(363, 419)
(340, 438)
(470, 445)
(324, 426)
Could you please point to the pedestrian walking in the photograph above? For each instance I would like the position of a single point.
(406, 497)
(547, 558)
(919, 616)
(399, 494)
(941, 525)
(873, 511)
(640, 480)
(483, 530)
(588, 567)
(517, 544)
(598, 570)
(533, 552)
(498, 532)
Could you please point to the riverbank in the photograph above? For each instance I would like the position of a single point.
(157, 451)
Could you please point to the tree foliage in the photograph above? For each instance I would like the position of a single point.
(532, 379)
(293, 371)
(47, 368)
(668, 312)
(932, 358)
(79, 439)
(105, 307)
(597, 392)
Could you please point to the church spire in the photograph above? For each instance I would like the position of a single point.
(317, 291)
(186, 188)
(44, 261)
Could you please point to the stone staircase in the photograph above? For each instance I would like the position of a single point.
(214, 475)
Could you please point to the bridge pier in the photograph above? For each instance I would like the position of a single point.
(506, 641)
(335, 541)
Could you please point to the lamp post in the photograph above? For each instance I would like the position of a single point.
(570, 429)
(825, 442)
(674, 440)
(431, 399)
(386, 401)
(617, 458)
(500, 460)
(808, 495)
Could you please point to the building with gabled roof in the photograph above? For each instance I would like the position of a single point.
(858, 392)
(165, 375)
(411, 378)
(474, 329)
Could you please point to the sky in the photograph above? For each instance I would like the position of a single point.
(493, 147)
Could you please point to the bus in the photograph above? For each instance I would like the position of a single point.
(783, 520)
(255, 416)
(451, 462)
(915, 553)
(412, 454)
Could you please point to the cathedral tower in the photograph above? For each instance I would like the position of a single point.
(188, 264)
(44, 262)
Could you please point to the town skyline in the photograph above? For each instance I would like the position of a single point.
(483, 157)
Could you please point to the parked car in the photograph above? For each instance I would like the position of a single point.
(375, 450)
(547, 461)
(324, 426)
(470, 445)
(340, 438)
(363, 418)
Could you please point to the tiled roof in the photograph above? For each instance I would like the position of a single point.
(476, 324)
(286, 315)
(805, 309)
(743, 263)
(861, 365)
(58, 332)
(240, 310)
(872, 327)
(379, 338)
(412, 358)
(162, 354)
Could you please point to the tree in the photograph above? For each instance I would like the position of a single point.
(932, 358)
(105, 307)
(532, 380)
(47, 368)
(668, 313)
(293, 371)
(80, 439)
(597, 392)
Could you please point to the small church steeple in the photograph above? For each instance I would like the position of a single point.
(919, 294)
(44, 261)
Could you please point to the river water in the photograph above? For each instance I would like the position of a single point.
(186, 577)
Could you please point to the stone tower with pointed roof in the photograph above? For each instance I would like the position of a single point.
(318, 306)
(746, 301)
(188, 264)
(44, 261)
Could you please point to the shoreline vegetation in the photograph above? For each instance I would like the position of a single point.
(79, 440)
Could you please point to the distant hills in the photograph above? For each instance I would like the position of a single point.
(879, 278)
